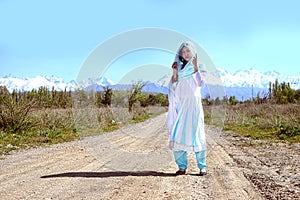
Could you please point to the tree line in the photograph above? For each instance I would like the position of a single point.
(17, 108)
(45, 98)
(278, 93)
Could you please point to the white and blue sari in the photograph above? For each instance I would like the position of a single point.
(185, 121)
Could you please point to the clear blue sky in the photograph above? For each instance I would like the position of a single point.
(55, 37)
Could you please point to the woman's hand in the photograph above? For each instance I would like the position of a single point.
(175, 72)
(195, 63)
(175, 67)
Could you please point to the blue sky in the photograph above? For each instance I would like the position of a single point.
(55, 37)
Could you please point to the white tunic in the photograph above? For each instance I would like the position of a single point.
(185, 119)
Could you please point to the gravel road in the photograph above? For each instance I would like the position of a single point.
(134, 162)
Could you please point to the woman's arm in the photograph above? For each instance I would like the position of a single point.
(174, 78)
(195, 63)
(175, 72)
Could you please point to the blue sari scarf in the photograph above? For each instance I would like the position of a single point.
(187, 70)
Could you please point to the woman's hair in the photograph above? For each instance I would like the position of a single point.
(183, 61)
(188, 45)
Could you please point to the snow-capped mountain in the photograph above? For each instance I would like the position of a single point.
(256, 79)
(248, 83)
(27, 84)
(98, 83)
(242, 84)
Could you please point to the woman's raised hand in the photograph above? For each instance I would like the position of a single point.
(175, 66)
(175, 71)
(195, 63)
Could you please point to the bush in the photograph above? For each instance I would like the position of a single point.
(15, 115)
(106, 120)
(267, 119)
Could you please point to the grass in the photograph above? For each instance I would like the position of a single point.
(53, 126)
(50, 126)
(142, 114)
(264, 121)
(28, 139)
(215, 115)
(250, 131)
(44, 126)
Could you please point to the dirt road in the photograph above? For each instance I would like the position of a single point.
(131, 163)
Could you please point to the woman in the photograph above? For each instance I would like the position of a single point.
(185, 116)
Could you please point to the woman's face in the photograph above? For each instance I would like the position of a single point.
(186, 53)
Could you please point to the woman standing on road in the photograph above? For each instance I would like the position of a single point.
(185, 116)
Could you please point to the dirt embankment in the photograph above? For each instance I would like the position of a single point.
(135, 163)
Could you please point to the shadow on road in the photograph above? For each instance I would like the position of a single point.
(108, 174)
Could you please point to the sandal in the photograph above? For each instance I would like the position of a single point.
(202, 172)
(180, 172)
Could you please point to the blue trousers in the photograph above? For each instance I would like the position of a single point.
(182, 160)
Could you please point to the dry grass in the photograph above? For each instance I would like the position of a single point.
(49, 126)
(265, 121)
(46, 126)
(107, 119)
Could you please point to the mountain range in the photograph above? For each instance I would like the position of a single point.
(243, 84)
